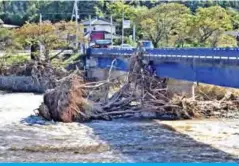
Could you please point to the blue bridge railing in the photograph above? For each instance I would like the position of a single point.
(220, 52)
(218, 66)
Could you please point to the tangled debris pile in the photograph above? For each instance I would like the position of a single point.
(208, 108)
(141, 92)
(211, 101)
(211, 92)
(70, 101)
(74, 100)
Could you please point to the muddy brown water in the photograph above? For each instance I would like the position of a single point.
(25, 137)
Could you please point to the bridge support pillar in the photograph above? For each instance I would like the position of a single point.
(193, 91)
(181, 87)
(102, 74)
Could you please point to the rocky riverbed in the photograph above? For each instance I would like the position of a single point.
(25, 137)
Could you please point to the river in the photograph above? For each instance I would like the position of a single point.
(25, 137)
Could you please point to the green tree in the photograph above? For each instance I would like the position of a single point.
(50, 35)
(180, 32)
(117, 8)
(234, 16)
(226, 41)
(17, 12)
(210, 22)
(161, 21)
(8, 42)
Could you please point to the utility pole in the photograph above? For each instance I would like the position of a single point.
(76, 15)
(111, 28)
(90, 24)
(40, 19)
(123, 27)
(134, 31)
(40, 22)
(90, 31)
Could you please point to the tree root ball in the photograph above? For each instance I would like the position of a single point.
(65, 103)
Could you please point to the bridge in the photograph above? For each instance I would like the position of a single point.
(217, 66)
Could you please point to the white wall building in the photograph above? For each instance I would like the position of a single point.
(98, 25)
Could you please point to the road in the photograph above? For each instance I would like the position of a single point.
(25, 137)
(27, 52)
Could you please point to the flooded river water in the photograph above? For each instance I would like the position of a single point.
(25, 137)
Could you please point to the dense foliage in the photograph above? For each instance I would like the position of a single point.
(51, 36)
(179, 24)
(17, 12)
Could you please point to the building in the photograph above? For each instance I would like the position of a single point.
(98, 24)
(99, 29)
(99, 35)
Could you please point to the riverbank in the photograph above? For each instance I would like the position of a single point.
(26, 138)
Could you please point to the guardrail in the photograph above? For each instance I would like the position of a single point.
(208, 53)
